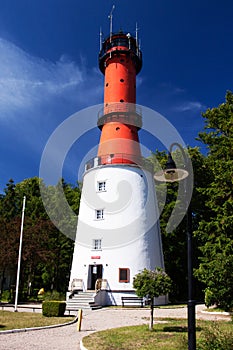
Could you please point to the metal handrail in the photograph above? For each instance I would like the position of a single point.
(122, 158)
(129, 113)
(120, 40)
(123, 43)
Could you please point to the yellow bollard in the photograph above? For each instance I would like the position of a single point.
(80, 316)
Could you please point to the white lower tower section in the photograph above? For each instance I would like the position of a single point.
(118, 232)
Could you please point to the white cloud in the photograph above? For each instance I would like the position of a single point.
(190, 106)
(28, 82)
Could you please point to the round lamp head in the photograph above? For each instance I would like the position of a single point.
(171, 173)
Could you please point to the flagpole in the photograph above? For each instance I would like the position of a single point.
(19, 256)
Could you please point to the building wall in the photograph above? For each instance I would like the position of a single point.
(129, 230)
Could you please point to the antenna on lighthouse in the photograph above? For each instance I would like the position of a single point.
(101, 34)
(136, 33)
(137, 40)
(110, 17)
(136, 37)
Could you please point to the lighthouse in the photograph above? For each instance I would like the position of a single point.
(117, 233)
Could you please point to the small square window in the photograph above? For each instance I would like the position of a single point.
(96, 244)
(99, 213)
(124, 275)
(101, 186)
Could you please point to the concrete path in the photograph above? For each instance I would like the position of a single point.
(68, 337)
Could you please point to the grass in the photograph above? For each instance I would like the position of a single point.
(171, 334)
(14, 320)
(214, 309)
(171, 306)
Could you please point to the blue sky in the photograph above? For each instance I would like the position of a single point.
(49, 69)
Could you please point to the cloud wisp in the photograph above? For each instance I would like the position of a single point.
(28, 82)
(190, 106)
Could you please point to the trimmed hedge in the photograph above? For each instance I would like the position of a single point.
(53, 308)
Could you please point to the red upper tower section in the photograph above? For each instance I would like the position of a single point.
(120, 60)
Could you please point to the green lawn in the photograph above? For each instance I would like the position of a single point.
(171, 334)
(13, 320)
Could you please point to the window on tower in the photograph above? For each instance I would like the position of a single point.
(96, 244)
(99, 214)
(101, 186)
(124, 275)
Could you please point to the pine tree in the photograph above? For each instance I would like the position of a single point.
(215, 233)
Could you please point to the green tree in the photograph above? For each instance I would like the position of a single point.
(152, 284)
(175, 241)
(9, 227)
(9, 235)
(31, 189)
(214, 232)
(62, 203)
(46, 252)
(9, 206)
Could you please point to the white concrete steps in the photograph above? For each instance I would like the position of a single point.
(82, 300)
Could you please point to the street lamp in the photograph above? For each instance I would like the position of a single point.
(172, 174)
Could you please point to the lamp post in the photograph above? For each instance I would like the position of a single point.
(172, 174)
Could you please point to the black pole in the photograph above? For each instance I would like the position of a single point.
(191, 302)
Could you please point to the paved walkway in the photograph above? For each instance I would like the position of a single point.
(68, 337)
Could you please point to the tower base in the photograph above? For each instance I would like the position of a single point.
(118, 233)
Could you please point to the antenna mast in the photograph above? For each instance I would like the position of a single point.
(101, 34)
(110, 17)
(137, 40)
(136, 33)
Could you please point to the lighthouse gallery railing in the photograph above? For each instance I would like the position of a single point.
(123, 158)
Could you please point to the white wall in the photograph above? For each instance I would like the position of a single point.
(129, 231)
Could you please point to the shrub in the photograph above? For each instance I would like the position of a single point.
(6, 296)
(53, 308)
(214, 338)
(54, 295)
(209, 297)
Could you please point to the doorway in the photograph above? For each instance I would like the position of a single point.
(94, 272)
